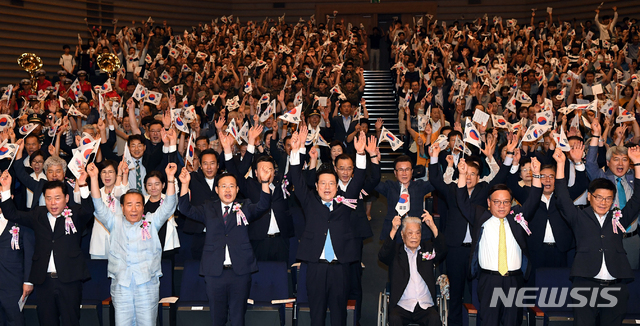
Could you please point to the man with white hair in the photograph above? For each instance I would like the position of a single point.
(413, 284)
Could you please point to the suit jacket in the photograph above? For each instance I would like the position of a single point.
(417, 190)
(15, 264)
(200, 194)
(480, 215)
(219, 235)
(252, 190)
(340, 134)
(455, 223)
(395, 256)
(319, 220)
(592, 240)
(67, 254)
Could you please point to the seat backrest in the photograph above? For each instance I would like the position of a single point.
(98, 288)
(270, 282)
(166, 281)
(633, 306)
(550, 278)
(192, 288)
(302, 297)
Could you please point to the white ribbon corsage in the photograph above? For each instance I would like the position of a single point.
(15, 237)
(523, 223)
(615, 221)
(240, 217)
(69, 227)
(351, 203)
(428, 255)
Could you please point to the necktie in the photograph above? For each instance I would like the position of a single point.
(502, 250)
(138, 177)
(328, 246)
(225, 214)
(622, 197)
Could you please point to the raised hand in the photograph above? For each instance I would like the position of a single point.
(535, 166)
(559, 157)
(93, 171)
(82, 180)
(434, 150)
(372, 146)
(313, 153)
(302, 134)
(254, 132)
(295, 144)
(171, 170)
(576, 152)
(220, 123)
(427, 218)
(513, 142)
(397, 221)
(184, 177)
(360, 142)
(5, 180)
(634, 154)
(379, 123)
(226, 141)
(462, 167)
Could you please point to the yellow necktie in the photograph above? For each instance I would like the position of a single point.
(502, 250)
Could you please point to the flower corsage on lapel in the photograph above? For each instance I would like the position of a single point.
(15, 237)
(240, 217)
(145, 228)
(428, 255)
(523, 223)
(351, 203)
(69, 227)
(615, 221)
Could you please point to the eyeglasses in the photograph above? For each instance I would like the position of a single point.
(547, 176)
(501, 203)
(601, 199)
(404, 170)
(526, 170)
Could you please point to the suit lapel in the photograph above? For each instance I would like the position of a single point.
(592, 215)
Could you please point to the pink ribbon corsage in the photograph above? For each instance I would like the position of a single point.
(285, 184)
(615, 221)
(240, 217)
(69, 227)
(523, 223)
(15, 238)
(351, 203)
(145, 228)
(363, 193)
(428, 255)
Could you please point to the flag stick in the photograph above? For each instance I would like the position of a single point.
(13, 158)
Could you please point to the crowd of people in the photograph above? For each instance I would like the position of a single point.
(250, 137)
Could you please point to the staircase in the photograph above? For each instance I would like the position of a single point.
(380, 95)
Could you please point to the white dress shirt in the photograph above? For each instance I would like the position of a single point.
(603, 274)
(3, 223)
(416, 291)
(548, 232)
(227, 258)
(490, 242)
(273, 223)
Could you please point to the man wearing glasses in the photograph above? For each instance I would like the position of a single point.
(601, 261)
(499, 252)
(619, 173)
(404, 196)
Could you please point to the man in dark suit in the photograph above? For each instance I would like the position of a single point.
(458, 227)
(202, 190)
(401, 190)
(343, 124)
(328, 244)
(601, 261)
(269, 234)
(55, 169)
(499, 255)
(16, 251)
(411, 262)
(58, 268)
(228, 259)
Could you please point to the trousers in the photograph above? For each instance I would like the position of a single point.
(136, 304)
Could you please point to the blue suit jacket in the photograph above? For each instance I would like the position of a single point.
(219, 235)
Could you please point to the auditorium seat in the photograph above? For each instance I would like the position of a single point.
(269, 295)
(193, 304)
